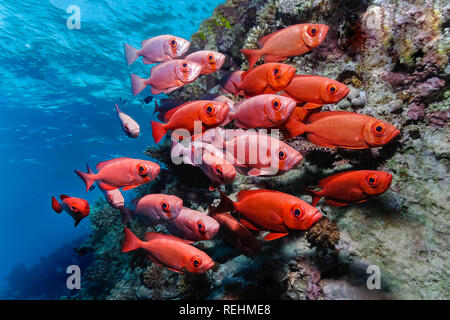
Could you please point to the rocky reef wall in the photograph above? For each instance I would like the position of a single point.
(394, 57)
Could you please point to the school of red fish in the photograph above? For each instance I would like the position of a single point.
(274, 98)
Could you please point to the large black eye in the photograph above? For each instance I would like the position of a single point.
(74, 208)
(219, 171)
(313, 31)
(282, 155)
(332, 89)
(379, 128)
(184, 65)
(165, 206)
(201, 227)
(297, 213)
(196, 263)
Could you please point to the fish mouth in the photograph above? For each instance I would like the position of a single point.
(224, 112)
(346, 92)
(220, 61)
(316, 218)
(394, 134)
(324, 31)
(388, 179)
(210, 265)
(297, 160)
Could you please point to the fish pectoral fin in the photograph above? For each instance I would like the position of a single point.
(312, 106)
(130, 187)
(174, 270)
(248, 224)
(314, 138)
(336, 203)
(104, 186)
(274, 235)
(260, 172)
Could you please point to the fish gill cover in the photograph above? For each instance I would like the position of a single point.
(393, 56)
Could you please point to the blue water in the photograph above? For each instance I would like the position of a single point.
(58, 90)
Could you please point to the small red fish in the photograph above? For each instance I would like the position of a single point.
(193, 225)
(349, 187)
(288, 42)
(342, 129)
(268, 78)
(118, 173)
(210, 61)
(158, 49)
(262, 111)
(209, 113)
(167, 76)
(315, 91)
(153, 209)
(169, 251)
(274, 211)
(238, 236)
(129, 125)
(76, 207)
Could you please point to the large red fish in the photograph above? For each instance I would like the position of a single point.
(210, 61)
(238, 236)
(76, 207)
(342, 129)
(167, 76)
(315, 91)
(170, 252)
(288, 42)
(193, 225)
(118, 173)
(267, 78)
(262, 111)
(209, 113)
(158, 49)
(349, 187)
(153, 209)
(257, 154)
(274, 211)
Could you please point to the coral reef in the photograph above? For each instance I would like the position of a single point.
(394, 56)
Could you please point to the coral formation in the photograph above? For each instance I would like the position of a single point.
(394, 55)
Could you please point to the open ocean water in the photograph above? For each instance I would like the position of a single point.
(58, 90)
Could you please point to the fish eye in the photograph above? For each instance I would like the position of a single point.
(297, 212)
(209, 109)
(73, 207)
(126, 128)
(372, 180)
(185, 67)
(312, 31)
(282, 155)
(173, 43)
(196, 262)
(219, 171)
(211, 59)
(276, 72)
(110, 198)
(201, 227)
(165, 206)
(332, 89)
(142, 169)
(378, 129)
(276, 104)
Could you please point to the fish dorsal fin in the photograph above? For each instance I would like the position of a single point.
(108, 162)
(325, 181)
(171, 112)
(264, 39)
(247, 193)
(274, 235)
(63, 196)
(243, 75)
(320, 115)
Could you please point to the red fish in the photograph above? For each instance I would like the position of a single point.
(167, 76)
(342, 129)
(158, 49)
(274, 211)
(209, 113)
(315, 91)
(210, 61)
(193, 225)
(257, 154)
(76, 207)
(153, 209)
(349, 187)
(262, 111)
(118, 173)
(237, 235)
(288, 42)
(129, 125)
(267, 78)
(169, 251)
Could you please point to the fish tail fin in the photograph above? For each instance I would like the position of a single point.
(87, 177)
(316, 196)
(56, 205)
(131, 54)
(131, 242)
(237, 89)
(252, 56)
(295, 128)
(137, 84)
(225, 205)
(159, 131)
(117, 109)
(127, 214)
